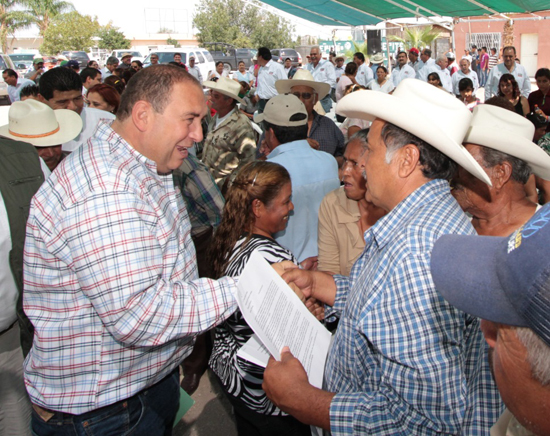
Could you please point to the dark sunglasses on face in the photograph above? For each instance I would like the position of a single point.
(304, 95)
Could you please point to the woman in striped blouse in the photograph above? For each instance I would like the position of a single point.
(258, 205)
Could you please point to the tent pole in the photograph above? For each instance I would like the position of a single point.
(453, 39)
(387, 46)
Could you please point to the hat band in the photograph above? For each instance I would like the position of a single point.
(42, 135)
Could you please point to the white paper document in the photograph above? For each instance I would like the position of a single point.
(279, 318)
(254, 351)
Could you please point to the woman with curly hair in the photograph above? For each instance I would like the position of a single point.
(509, 89)
(257, 206)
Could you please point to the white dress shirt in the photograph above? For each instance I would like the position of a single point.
(405, 72)
(267, 76)
(13, 91)
(520, 74)
(323, 72)
(364, 75)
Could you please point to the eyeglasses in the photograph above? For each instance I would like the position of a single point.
(304, 95)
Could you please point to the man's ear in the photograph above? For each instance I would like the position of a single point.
(490, 332)
(409, 158)
(501, 174)
(142, 115)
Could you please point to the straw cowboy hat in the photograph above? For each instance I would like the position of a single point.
(438, 118)
(225, 86)
(302, 78)
(377, 58)
(36, 123)
(510, 133)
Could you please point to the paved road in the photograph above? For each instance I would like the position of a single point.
(211, 414)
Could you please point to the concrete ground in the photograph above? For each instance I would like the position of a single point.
(210, 415)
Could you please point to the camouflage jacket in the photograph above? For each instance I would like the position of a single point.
(228, 147)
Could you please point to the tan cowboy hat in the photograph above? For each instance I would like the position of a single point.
(438, 118)
(302, 78)
(225, 86)
(125, 55)
(510, 133)
(36, 123)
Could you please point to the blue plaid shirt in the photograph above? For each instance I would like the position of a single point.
(404, 361)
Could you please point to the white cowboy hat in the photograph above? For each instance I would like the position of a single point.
(510, 133)
(436, 117)
(36, 123)
(225, 86)
(377, 58)
(302, 78)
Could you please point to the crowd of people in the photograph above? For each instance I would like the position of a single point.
(412, 223)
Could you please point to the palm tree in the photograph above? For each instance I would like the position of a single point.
(357, 49)
(43, 11)
(11, 21)
(419, 37)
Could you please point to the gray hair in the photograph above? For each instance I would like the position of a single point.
(317, 47)
(538, 354)
(521, 171)
(435, 165)
(441, 57)
(361, 135)
(112, 60)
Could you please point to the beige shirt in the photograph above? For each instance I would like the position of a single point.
(340, 240)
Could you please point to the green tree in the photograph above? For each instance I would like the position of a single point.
(172, 41)
(110, 38)
(71, 31)
(11, 20)
(45, 11)
(241, 24)
(165, 30)
(419, 37)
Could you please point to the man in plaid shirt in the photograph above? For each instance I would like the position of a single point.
(403, 360)
(110, 275)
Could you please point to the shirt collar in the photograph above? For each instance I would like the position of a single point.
(289, 146)
(387, 226)
(119, 145)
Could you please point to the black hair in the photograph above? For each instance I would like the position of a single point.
(288, 134)
(542, 72)
(434, 75)
(264, 53)
(427, 51)
(359, 56)
(89, 72)
(383, 68)
(29, 91)
(59, 79)
(10, 72)
(521, 171)
(465, 83)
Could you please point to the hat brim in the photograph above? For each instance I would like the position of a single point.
(284, 86)
(368, 105)
(514, 145)
(214, 86)
(464, 270)
(70, 126)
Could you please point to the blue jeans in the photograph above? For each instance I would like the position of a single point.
(151, 412)
(483, 77)
(327, 103)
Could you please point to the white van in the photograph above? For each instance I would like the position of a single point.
(203, 58)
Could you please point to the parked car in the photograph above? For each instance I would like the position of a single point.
(203, 59)
(5, 63)
(80, 56)
(22, 62)
(136, 55)
(280, 54)
(229, 55)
